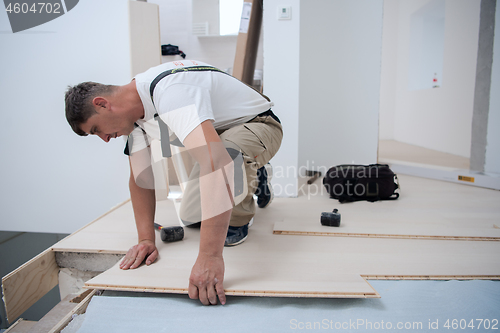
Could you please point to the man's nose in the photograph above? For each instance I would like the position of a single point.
(105, 137)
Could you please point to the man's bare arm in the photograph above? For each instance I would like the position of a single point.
(207, 275)
(144, 204)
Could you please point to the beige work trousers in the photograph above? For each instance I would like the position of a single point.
(258, 141)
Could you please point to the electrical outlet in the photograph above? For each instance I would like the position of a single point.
(284, 13)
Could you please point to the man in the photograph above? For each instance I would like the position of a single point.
(226, 126)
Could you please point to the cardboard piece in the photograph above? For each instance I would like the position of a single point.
(248, 41)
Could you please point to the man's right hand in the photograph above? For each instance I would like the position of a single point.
(146, 249)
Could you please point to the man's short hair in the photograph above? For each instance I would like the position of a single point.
(79, 106)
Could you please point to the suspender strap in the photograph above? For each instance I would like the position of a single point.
(130, 141)
(128, 145)
(164, 134)
(181, 70)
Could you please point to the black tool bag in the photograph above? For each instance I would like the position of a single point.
(372, 182)
(169, 49)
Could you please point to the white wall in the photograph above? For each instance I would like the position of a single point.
(439, 118)
(492, 163)
(322, 70)
(389, 72)
(206, 11)
(281, 84)
(52, 180)
(176, 28)
(338, 34)
(280, 39)
(426, 46)
(340, 60)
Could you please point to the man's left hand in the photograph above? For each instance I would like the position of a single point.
(206, 280)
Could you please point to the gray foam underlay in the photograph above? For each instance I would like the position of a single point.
(406, 302)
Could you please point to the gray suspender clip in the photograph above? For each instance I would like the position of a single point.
(164, 137)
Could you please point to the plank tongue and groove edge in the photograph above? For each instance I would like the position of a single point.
(172, 277)
(357, 229)
(28, 283)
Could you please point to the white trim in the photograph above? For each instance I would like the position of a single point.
(486, 180)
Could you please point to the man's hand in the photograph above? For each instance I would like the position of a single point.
(207, 275)
(206, 280)
(146, 249)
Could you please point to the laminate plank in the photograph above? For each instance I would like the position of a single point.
(116, 231)
(297, 266)
(426, 209)
(171, 274)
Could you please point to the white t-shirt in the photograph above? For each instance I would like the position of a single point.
(185, 99)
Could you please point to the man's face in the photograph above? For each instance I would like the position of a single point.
(108, 125)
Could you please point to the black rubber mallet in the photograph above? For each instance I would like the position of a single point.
(170, 234)
(330, 219)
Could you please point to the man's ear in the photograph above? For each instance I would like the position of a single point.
(101, 102)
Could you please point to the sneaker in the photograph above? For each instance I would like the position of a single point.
(264, 191)
(195, 225)
(236, 235)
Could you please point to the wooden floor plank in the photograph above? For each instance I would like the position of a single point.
(28, 283)
(296, 266)
(115, 232)
(77, 310)
(21, 326)
(426, 209)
